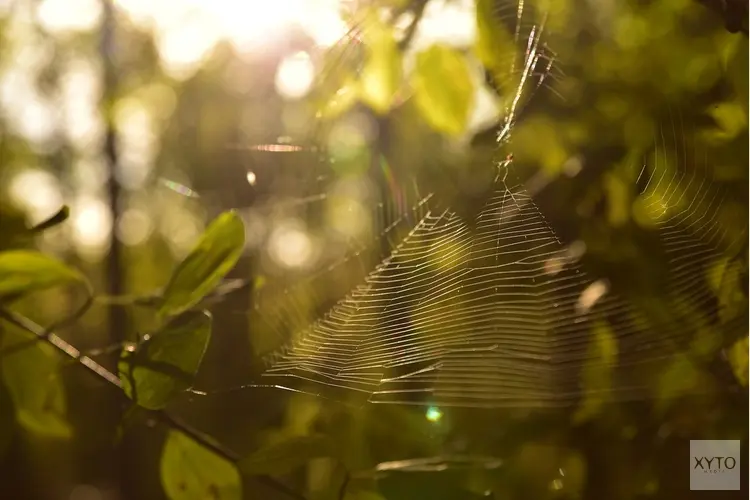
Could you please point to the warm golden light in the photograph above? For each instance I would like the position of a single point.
(187, 31)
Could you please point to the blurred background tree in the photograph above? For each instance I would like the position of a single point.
(329, 125)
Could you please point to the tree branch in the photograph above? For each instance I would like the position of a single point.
(171, 421)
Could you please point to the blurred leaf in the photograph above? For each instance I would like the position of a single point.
(494, 46)
(285, 455)
(738, 359)
(380, 78)
(573, 473)
(730, 119)
(618, 196)
(528, 136)
(443, 88)
(342, 100)
(165, 364)
(7, 418)
(213, 257)
(681, 376)
(35, 388)
(362, 495)
(23, 272)
(57, 219)
(443, 485)
(597, 372)
(724, 279)
(191, 472)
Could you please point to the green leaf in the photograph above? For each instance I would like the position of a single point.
(35, 388)
(381, 76)
(738, 360)
(443, 89)
(494, 46)
(724, 277)
(597, 373)
(442, 485)
(680, 377)
(23, 272)
(285, 455)
(212, 258)
(165, 364)
(191, 472)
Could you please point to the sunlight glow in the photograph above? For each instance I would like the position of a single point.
(138, 136)
(290, 246)
(134, 227)
(295, 75)
(450, 22)
(183, 46)
(60, 16)
(188, 30)
(36, 191)
(27, 112)
(91, 223)
(80, 89)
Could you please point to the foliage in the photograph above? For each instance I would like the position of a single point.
(190, 471)
(632, 87)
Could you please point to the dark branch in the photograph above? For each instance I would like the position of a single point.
(171, 421)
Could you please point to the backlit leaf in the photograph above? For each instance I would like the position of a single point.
(31, 376)
(191, 472)
(738, 359)
(285, 455)
(381, 76)
(597, 372)
(165, 364)
(443, 88)
(494, 45)
(212, 258)
(23, 272)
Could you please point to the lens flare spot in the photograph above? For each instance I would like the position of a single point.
(434, 414)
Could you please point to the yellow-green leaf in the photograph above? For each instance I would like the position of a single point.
(23, 272)
(191, 472)
(494, 45)
(35, 388)
(597, 373)
(165, 364)
(681, 376)
(381, 76)
(443, 88)
(738, 359)
(212, 258)
(285, 455)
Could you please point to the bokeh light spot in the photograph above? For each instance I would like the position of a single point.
(434, 414)
(295, 75)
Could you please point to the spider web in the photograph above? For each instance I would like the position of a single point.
(499, 311)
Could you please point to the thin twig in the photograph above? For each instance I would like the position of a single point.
(43, 334)
(344, 485)
(411, 30)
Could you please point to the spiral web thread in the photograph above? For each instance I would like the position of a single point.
(499, 312)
